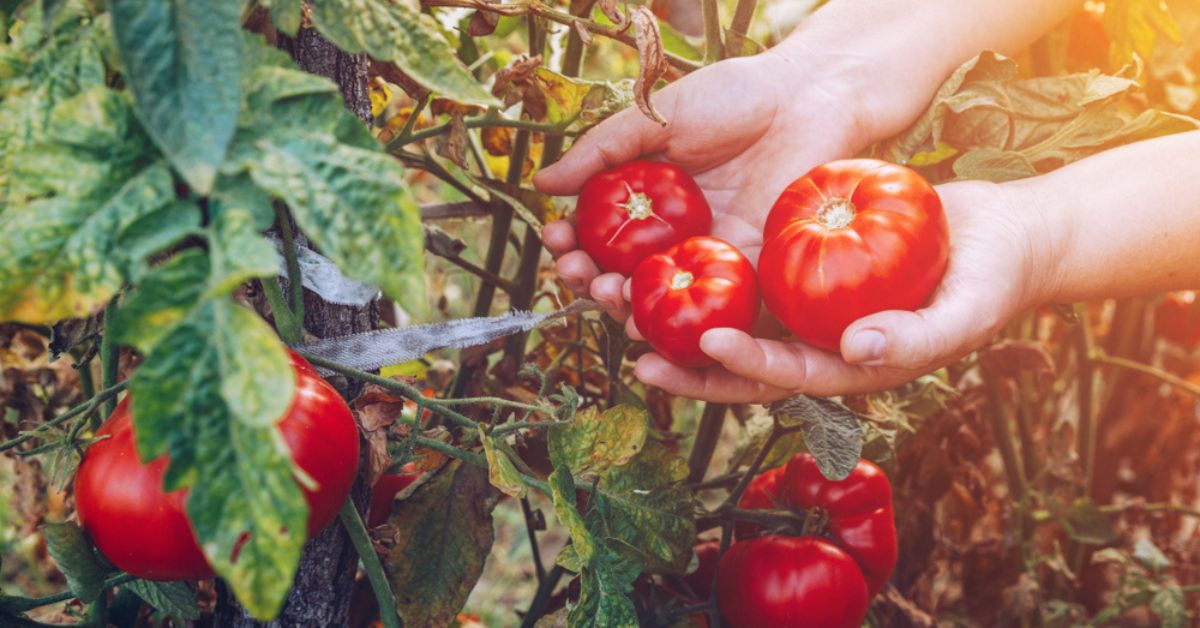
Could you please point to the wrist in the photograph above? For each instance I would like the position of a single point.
(1048, 233)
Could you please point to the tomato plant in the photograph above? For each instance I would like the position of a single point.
(637, 209)
(146, 531)
(848, 239)
(699, 284)
(790, 581)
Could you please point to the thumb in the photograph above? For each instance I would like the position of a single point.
(920, 340)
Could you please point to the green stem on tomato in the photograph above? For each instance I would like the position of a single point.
(285, 322)
(353, 523)
(22, 604)
(291, 261)
(110, 356)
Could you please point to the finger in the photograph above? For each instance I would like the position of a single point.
(577, 270)
(621, 138)
(921, 340)
(708, 384)
(606, 290)
(771, 362)
(559, 238)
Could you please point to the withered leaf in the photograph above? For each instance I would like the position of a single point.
(453, 145)
(483, 23)
(652, 60)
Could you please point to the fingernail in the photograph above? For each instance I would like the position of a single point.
(866, 346)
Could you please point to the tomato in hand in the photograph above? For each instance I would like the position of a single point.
(699, 284)
(637, 209)
(146, 532)
(786, 581)
(385, 490)
(849, 239)
(1177, 319)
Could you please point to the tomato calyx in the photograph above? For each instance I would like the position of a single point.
(682, 279)
(836, 213)
(639, 206)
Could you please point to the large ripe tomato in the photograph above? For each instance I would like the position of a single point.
(385, 490)
(859, 511)
(786, 581)
(636, 210)
(146, 532)
(699, 284)
(1177, 319)
(848, 239)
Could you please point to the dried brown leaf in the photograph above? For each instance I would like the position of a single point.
(1010, 358)
(483, 23)
(584, 34)
(453, 145)
(652, 60)
(610, 10)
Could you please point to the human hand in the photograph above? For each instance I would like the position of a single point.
(1000, 265)
(744, 128)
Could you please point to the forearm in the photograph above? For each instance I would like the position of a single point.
(892, 55)
(1121, 223)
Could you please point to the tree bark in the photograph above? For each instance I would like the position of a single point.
(322, 590)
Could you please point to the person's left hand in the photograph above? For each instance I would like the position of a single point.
(1000, 265)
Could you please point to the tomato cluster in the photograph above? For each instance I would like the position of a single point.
(848, 239)
(822, 577)
(146, 531)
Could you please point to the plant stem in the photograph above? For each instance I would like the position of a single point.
(287, 237)
(434, 404)
(538, 567)
(83, 408)
(1086, 443)
(353, 523)
(713, 48)
(479, 461)
(411, 122)
(476, 123)
(285, 322)
(22, 604)
(110, 357)
(1178, 382)
(1001, 420)
(742, 16)
(541, 10)
(487, 277)
(707, 437)
(537, 607)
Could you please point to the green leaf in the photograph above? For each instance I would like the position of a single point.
(562, 492)
(1148, 554)
(445, 535)
(832, 432)
(604, 593)
(1170, 605)
(1134, 26)
(73, 554)
(285, 14)
(645, 507)
(594, 442)
(1086, 523)
(173, 598)
(392, 32)
(354, 205)
(71, 231)
(155, 232)
(238, 251)
(502, 473)
(166, 295)
(209, 395)
(183, 61)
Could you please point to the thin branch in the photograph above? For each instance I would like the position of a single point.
(713, 48)
(110, 356)
(742, 16)
(22, 604)
(707, 436)
(353, 524)
(285, 321)
(1178, 382)
(479, 123)
(461, 209)
(83, 408)
(287, 236)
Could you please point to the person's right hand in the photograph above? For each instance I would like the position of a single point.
(744, 128)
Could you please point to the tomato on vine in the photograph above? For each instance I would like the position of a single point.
(848, 239)
(146, 531)
(384, 492)
(637, 209)
(699, 284)
(1177, 319)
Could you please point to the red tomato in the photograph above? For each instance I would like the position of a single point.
(385, 490)
(146, 532)
(700, 284)
(785, 581)
(859, 509)
(848, 239)
(637, 209)
(762, 494)
(1178, 319)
